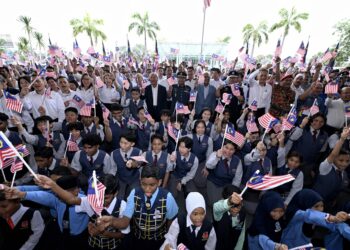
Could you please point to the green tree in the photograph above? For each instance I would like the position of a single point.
(90, 27)
(2, 44)
(288, 20)
(27, 26)
(144, 27)
(342, 30)
(257, 35)
(23, 45)
(39, 39)
(225, 39)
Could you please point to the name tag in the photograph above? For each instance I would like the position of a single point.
(157, 214)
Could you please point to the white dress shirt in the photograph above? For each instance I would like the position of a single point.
(107, 168)
(260, 93)
(86, 95)
(155, 95)
(108, 95)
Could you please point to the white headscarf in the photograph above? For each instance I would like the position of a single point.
(194, 200)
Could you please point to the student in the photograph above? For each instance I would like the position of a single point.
(133, 103)
(71, 116)
(158, 158)
(150, 208)
(13, 136)
(21, 227)
(74, 130)
(144, 130)
(108, 239)
(45, 161)
(86, 90)
(116, 126)
(178, 124)
(304, 212)
(218, 135)
(91, 158)
(192, 230)
(222, 168)
(332, 177)
(266, 229)
(205, 116)
(73, 225)
(161, 127)
(229, 219)
(92, 126)
(127, 172)
(185, 165)
(44, 137)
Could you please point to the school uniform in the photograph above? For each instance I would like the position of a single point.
(93, 130)
(117, 129)
(129, 178)
(48, 171)
(149, 217)
(217, 143)
(160, 161)
(172, 143)
(100, 162)
(143, 135)
(134, 106)
(70, 153)
(230, 230)
(22, 230)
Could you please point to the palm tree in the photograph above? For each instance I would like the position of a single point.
(144, 27)
(2, 44)
(26, 21)
(23, 45)
(257, 34)
(289, 19)
(88, 26)
(39, 41)
(225, 39)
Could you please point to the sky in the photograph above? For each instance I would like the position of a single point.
(180, 21)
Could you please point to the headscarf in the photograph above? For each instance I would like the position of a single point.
(263, 223)
(194, 200)
(304, 199)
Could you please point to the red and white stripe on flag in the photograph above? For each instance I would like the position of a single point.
(17, 165)
(14, 105)
(331, 88)
(96, 201)
(264, 120)
(86, 110)
(267, 182)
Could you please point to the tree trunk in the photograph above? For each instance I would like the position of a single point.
(145, 43)
(283, 40)
(252, 53)
(91, 42)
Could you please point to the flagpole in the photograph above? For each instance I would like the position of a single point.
(246, 186)
(205, 10)
(94, 180)
(223, 139)
(2, 171)
(65, 151)
(13, 178)
(177, 138)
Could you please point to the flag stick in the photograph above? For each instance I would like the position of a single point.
(177, 138)
(246, 186)
(346, 121)
(13, 179)
(65, 151)
(3, 136)
(10, 111)
(265, 132)
(94, 180)
(223, 139)
(205, 10)
(3, 174)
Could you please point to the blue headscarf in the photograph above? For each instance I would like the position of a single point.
(304, 199)
(263, 223)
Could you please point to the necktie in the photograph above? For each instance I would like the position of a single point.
(121, 124)
(91, 160)
(193, 233)
(155, 160)
(135, 102)
(339, 174)
(226, 164)
(65, 221)
(199, 139)
(314, 135)
(126, 157)
(148, 203)
(10, 223)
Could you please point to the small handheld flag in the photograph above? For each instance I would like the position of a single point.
(314, 108)
(232, 135)
(12, 103)
(253, 106)
(193, 95)
(266, 182)
(96, 194)
(181, 109)
(226, 98)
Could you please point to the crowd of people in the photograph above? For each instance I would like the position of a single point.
(155, 135)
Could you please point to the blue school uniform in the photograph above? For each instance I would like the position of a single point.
(134, 107)
(14, 138)
(64, 129)
(264, 169)
(56, 140)
(200, 148)
(217, 143)
(272, 155)
(126, 175)
(172, 142)
(183, 167)
(161, 128)
(92, 131)
(161, 163)
(285, 188)
(70, 154)
(143, 136)
(221, 175)
(87, 167)
(117, 130)
(208, 128)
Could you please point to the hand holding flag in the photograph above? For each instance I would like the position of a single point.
(96, 194)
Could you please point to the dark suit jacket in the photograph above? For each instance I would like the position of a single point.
(161, 102)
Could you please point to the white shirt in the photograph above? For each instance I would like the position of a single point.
(107, 168)
(216, 83)
(261, 94)
(37, 226)
(53, 105)
(86, 95)
(155, 95)
(108, 95)
(336, 112)
(68, 97)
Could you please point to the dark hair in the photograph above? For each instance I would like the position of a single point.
(230, 142)
(157, 137)
(43, 118)
(129, 136)
(228, 190)
(135, 90)
(71, 109)
(116, 107)
(165, 112)
(180, 119)
(318, 115)
(149, 172)
(91, 140)
(44, 152)
(81, 81)
(76, 126)
(190, 67)
(196, 124)
(111, 183)
(62, 171)
(216, 70)
(140, 108)
(295, 154)
(206, 109)
(187, 141)
(344, 152)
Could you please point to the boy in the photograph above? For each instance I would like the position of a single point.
(160, 127)
(127, 173)
(110, 238)
(71, 116)
(92, 158)
(91, 126)
(74, 130)
(157, 158)
(151, 208)
(332, 176)
(144, 130)
(21, 227)
(116, 126)
(133, 103)
(45, 161)
(185, 165)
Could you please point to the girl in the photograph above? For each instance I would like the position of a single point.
(109, 92)
(205, 116)
(194, 231)
(244, 122)
(86, 90)
(266, 229)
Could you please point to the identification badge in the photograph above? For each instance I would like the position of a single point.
(157, 214)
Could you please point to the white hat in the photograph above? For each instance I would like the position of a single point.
(194, 200)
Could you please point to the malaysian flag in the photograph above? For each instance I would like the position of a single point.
(48, 92)
(215, 56)
(206, 4)
(96, 194)
(78, 101)
(250, 62)
(105, 112)
(171, 81)
(99, 82)
(347, 111)
(251, 125)
(76, 49)
(193, 95)
(86, 110)
(326, 72)
(172, 132)
(235, 90)
(232, 135)
(22, 150)
(17, 165)
(331, 88)
(253, 106)
(72, 145)
(301, 50)
(91, 51)
(326, 56)
(314, 108)
(266, 182)
(12, 103)
(174, 51)
(226, 98)
(219, 108)
(267, 121)
(133, 121)
(278, 50)
(181, 109)
(6, 152)
(288, 124)
(126, 83)
(148, 115)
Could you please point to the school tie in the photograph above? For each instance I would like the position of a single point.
(148, 203)
(226, 164)
(91, 160)
(135, 102)
(314, 135)
(155, 160)
(126, 157)
(65, 221)
(121, 125)
(193, 233)
(10, 223)
(88, 130)
(199, 139)
(339, 174)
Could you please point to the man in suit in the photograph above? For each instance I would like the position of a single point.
(155, 97)
(206, 95)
